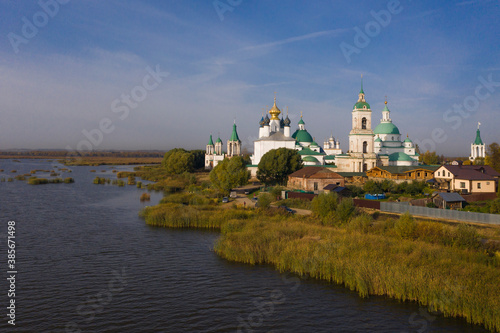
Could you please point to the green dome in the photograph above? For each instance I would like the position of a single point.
(408, 140)
(303, 136)
(378, 140)
(310, 159)
(210, 142)
(386, 128)
(400, 157)
(301, 122)
(361, 105)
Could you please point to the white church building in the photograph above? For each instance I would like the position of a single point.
(367, 148)
(477, 148)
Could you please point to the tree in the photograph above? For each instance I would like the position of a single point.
(493, 156)
(198, 158)
(429, 158)
(178, 161)
(277, 164)
(229, 173)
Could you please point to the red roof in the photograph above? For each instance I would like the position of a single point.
(472, 172)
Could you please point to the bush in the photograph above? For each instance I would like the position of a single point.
(361, 223)
(431, 205)
(466, 236)
(324, 204)
(495, 207)
(264, 200)
(346, 210)
(405, 226)
(69, 180)
(145, 197)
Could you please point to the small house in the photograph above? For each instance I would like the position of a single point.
(446, 200)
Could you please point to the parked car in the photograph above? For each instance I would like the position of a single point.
(287, 209)
(233, 194)
(225, 200)
(247, 192)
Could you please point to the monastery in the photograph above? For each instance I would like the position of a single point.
(367, 148)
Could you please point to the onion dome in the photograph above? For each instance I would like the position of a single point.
(408, 139)
(287, 121)
(262, 122)
(282, 122)
(275, 111)
(210, 142)
(378, 140)
(301, 121)
(266, 121)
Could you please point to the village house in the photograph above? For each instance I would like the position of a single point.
(400, 174)
(467, 178)
(314, 178)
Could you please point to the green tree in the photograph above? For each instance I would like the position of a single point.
(277, 164)
(198, 159)
(429, 158)
(372, 187)
(178, 162)
(229, 173)
(493, 156)
(495, 206)
(346, 210)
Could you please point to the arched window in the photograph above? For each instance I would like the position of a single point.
(365, 167)
(363, 123)
(365, 145)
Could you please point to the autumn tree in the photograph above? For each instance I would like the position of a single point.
(275, 166)
(429, 158)
(493, 156)
(229, 173)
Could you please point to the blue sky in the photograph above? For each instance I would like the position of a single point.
(225, 59)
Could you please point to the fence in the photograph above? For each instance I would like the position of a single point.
(300, 195)
(367, 203)
(437, 213)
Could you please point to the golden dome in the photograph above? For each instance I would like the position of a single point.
(275, 111)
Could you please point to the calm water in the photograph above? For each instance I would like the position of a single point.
(87, 263)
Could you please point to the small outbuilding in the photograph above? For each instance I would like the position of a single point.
(314, 178)
(446, 200)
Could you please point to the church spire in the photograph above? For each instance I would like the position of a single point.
(361, 92)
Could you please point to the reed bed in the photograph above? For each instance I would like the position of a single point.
(174, 215)
(454, 281)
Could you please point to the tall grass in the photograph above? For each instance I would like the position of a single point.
(174, 215)
(454, 281)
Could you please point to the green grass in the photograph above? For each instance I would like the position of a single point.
(442, 266)
(457, 282)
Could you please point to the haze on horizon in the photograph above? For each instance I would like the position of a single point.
(196, 67)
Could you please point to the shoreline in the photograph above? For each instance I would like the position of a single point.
(453, 281)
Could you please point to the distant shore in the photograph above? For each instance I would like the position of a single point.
(90, 158)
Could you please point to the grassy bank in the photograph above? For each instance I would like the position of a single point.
(455, 281)
(445, 268)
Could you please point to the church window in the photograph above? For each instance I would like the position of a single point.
(479, 185)
(315, 186)
(363, 123)
(365, 145)
(365, 167)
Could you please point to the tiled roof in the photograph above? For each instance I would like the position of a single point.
(472, 172)
(316, 171)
